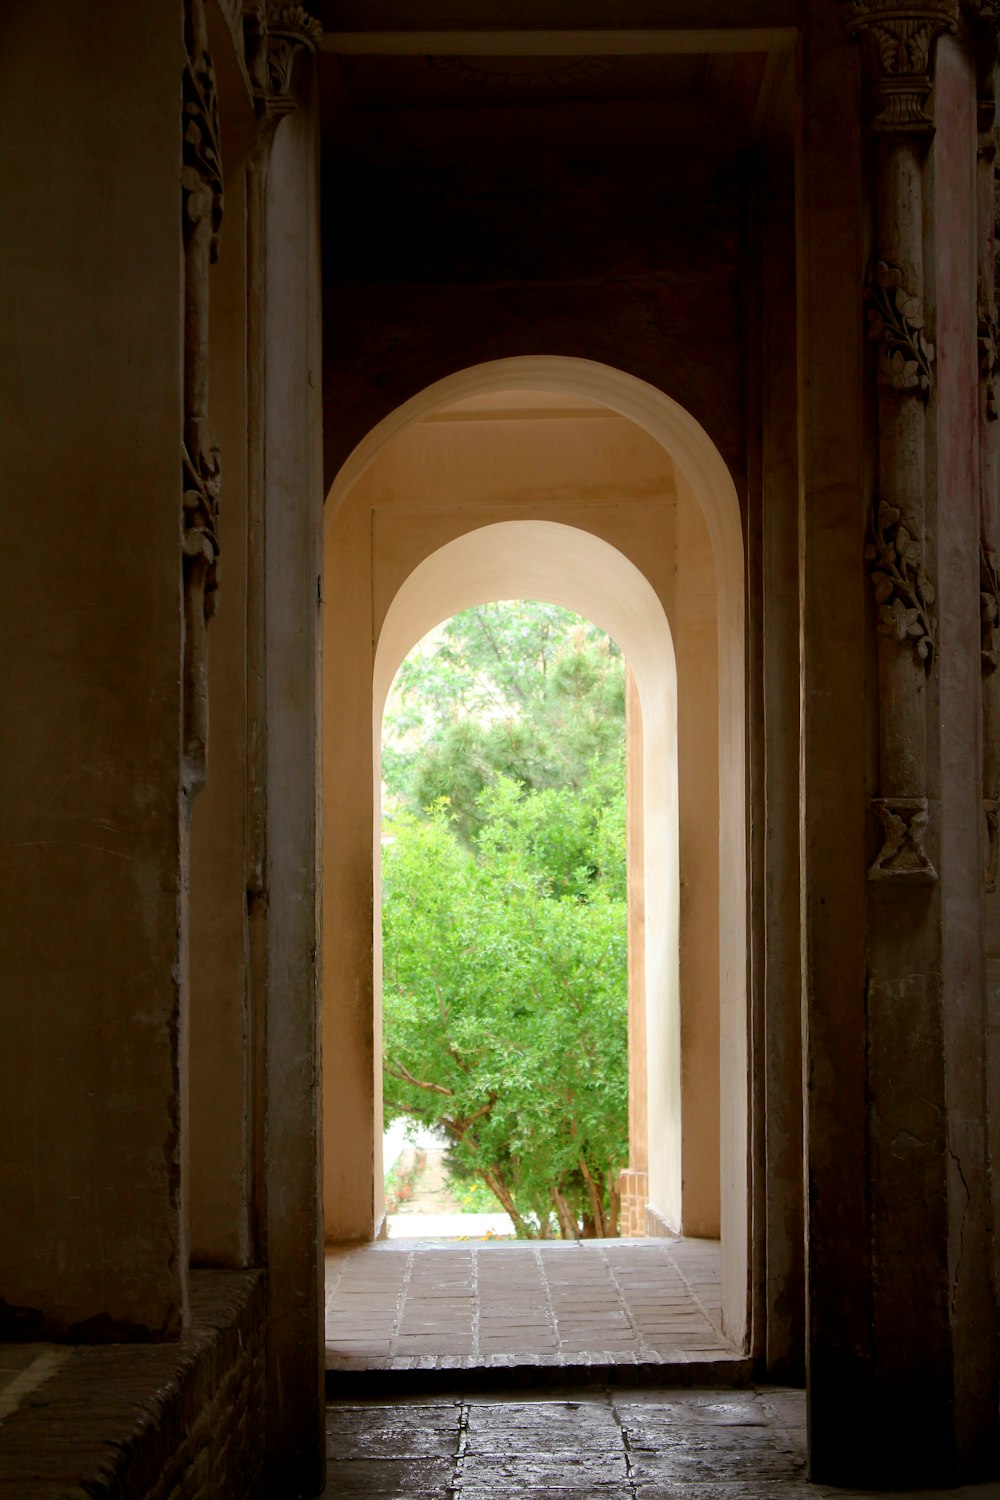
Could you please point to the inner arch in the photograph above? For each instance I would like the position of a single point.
(564, 565)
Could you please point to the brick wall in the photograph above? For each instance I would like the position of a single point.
(634, 1189)
(181, 1421)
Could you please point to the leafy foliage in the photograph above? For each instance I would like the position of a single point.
(524, 690)
(504, 916)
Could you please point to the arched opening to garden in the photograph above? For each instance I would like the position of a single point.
(570, 482)
(505, 925)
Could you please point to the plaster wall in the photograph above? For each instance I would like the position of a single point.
(93, 1242)
(537, 458)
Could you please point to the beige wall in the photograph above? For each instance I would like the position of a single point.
(522, 458)
(90, 282)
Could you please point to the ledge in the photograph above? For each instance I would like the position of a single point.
(129, 1420)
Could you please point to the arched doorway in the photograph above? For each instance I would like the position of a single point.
(631, 518)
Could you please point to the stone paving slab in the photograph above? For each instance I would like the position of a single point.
(646, 1309)
(651, 1444)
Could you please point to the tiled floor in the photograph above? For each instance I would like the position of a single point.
(601, 1445)
(419, 1305)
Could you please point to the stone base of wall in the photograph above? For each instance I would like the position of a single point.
(657, 1226)
(633, 1187)
(179, 1421)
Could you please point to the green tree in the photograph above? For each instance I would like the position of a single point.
(504, 909)
(520, 689)
(506, 1006)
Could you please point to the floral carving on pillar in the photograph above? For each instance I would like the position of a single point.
(900, 37)
(278, 33)
(202, 204)
(896, 319)
(903, 592)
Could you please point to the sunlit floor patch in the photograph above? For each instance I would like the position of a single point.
(416, 1305)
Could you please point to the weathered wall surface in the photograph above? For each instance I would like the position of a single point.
(89, 747)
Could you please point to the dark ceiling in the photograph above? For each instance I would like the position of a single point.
(377, 108)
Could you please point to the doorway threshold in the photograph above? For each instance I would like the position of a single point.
(428, 1315)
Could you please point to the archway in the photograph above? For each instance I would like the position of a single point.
(383, 524)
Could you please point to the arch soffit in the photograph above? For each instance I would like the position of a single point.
(545, 560)
(694, 454)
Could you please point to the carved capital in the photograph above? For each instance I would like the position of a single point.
(274, 38)
(896, 320)
(903, 592)
(902, 857)
(899, 36)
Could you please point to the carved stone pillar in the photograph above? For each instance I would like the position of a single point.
(930, 1366)
(899, 40)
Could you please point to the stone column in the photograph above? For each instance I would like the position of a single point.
(285, 559)
(832, 800)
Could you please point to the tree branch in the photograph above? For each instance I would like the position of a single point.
(396, 1070)
(484, 626)
(460, 1127)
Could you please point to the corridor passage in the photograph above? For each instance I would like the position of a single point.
(428, 1307)
(594, 1445)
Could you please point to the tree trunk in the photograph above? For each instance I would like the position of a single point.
(614, 1205)
(501, 1192)
(596, 1206)
(568, 1227)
